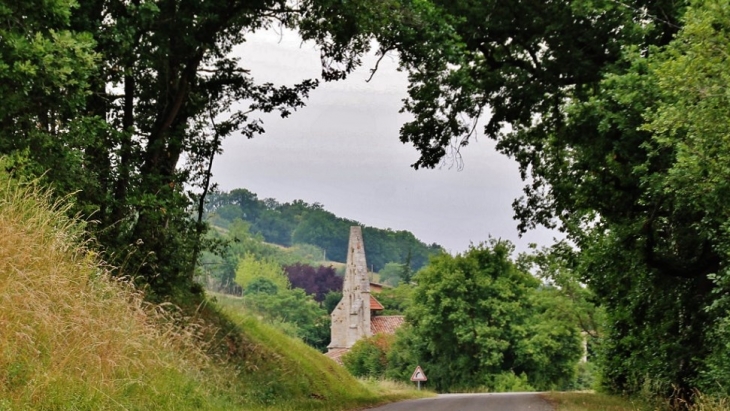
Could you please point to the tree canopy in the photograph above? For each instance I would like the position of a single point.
(616, 115)
(317, 282)
(298, 222)
(477, 320)
(128, 103)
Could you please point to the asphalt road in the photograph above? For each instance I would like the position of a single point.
(472, 402)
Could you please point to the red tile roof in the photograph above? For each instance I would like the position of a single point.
(375, 304)
(336, 354)
(382, 324)
(386, 324)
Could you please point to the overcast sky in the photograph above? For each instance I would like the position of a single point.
(342, 150)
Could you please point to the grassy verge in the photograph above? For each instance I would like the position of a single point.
(73, 338)
(396, 390)
(573, 401)
(585, 401)
(290, 375)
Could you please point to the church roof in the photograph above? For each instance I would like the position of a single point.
(386, 324)
(375, 304)
(337, 353)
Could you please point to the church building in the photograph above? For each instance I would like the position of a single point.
(355, 316)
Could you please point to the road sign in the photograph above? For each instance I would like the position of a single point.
(418, 375)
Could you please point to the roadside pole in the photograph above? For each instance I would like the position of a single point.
(418, 376)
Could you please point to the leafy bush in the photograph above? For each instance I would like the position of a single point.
(509, 382)
(585, 377)
(368, 357)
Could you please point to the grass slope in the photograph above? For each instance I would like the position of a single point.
(311, 380)
(71, 338)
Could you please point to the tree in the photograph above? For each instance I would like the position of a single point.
(138, 129)
(331, 299)
(396, 300)
(391, 274)
(614, 125)
(267, 292)
(407, 273)
(299, 223)
(690, 120)
(45, 70)
(317, 282)
(324, 230)
(291, 310)
(221, 262)
(558, 268)
(251, 268)
(476, 317)
(261, 285)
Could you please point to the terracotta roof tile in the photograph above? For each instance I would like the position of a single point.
(375, 304)
(386, 324)
(336, 354)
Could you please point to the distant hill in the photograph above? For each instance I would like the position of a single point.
(299, 222)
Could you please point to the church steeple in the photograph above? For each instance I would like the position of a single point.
(351, 317)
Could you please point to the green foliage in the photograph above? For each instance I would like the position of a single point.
(45, 71)
(617, 116)
(331, 299)
(586, 374)
(268, 293)
(368, 357)
(391, 274)
(261, 285)
(509, 382)
(690, 119)
(396, 300)
(475, 318)
(405, 354)
(218, 266)
(558, 266)
(550, 351)
(128, 105)
(291, 310)
(251, 268)
(664, 317)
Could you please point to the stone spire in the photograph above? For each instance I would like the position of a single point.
(351, 317)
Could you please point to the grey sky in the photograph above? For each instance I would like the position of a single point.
(342, 150)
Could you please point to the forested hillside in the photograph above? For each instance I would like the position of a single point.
(298, 222)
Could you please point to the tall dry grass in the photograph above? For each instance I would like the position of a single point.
(73, 338)
(70, 337)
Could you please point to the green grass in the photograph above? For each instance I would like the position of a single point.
(310, 380)
(72, 338)
(586, 401)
